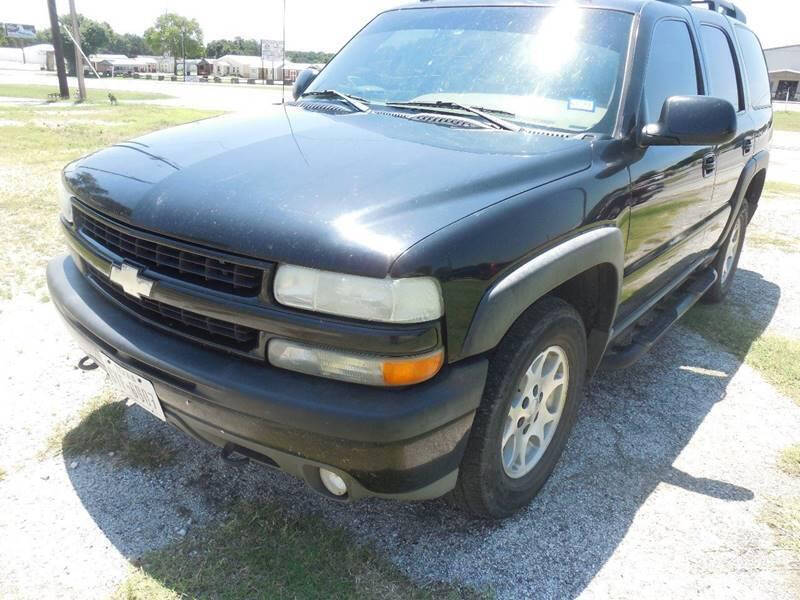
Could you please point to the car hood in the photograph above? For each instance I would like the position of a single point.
(344, 192)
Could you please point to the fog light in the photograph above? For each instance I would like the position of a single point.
(332, 482)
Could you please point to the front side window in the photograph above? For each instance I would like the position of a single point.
(723, 80)
(756, 67)
(558, 67)
(671, 67)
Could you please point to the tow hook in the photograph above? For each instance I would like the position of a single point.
(87, 364)
(228, 452)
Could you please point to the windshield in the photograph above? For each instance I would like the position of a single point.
(555, 67)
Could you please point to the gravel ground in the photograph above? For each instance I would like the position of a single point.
(658, 494)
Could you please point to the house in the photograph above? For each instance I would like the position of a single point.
(166, 64)
(146, 64)
(252, 67)
(102, 62)
(292, 70)
(246, 67)
(115, 64)
(784, 72)
(205, 67)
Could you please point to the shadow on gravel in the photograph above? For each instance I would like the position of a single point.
(630, 431)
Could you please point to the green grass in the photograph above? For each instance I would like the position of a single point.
(262, 551)
(778, 188)
(789, 460)
(787, 121)
(2, 473)
(782, 515)
(773, 240)
(777, 358)
(35, 144)
(93, 95)
(102, 429)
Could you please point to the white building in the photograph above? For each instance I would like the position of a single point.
(166, 64)
(784, 72)
(37, 54)
(251, 67)
(116, 64)
(246, 67)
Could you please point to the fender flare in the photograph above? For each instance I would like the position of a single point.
(510, 296)
(756, 164)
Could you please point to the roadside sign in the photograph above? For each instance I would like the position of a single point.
(271, 50)
(18, 31)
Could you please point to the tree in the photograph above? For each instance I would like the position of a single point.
(169, 34)
(128, 44)
(308, 56)
(238, 46)
(218, 48)
(95, 37)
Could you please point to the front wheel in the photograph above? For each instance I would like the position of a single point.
(727, 261)
(530, 403)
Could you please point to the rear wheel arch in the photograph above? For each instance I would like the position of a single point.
(754, 191)
(585, 271)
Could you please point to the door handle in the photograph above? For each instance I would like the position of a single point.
(747, 145)
(709, 165)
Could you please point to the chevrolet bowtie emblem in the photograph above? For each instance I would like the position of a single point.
(129, 278)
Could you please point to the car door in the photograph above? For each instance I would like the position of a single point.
(724, 76)
(671, 186)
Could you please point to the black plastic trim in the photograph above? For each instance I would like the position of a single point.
(507, 299)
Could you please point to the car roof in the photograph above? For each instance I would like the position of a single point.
(632, 6)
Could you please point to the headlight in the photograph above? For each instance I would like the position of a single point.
(357, 368)
(412, 300)
(65, 201)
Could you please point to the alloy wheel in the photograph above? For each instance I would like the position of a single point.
(535, 411)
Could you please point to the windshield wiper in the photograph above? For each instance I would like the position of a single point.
(359, 104)
(475, 110)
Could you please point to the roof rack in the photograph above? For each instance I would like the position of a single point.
(729, 9)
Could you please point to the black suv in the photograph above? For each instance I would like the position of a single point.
(397, 284)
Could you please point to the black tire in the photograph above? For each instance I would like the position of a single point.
(722, 286)
(483, 488)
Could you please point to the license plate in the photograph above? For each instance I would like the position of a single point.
(137, 389)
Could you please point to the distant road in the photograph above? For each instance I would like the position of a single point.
(213, 96)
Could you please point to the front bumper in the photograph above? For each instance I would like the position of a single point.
(400, 443)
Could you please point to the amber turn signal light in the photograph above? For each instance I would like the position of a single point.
(412, 370)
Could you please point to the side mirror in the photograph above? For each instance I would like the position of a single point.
(304, 79)
(692, 121)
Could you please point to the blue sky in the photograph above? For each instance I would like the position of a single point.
(318, 24)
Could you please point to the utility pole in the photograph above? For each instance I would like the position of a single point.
(76, 38)
(283, 66)
(183, 48)
(58, 46)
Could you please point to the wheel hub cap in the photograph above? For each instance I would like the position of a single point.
(535, 411)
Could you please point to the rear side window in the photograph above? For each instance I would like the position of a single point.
(756, 67)
(722, 74)
(671, 68)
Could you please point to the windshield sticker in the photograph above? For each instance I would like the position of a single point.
(578, 104)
